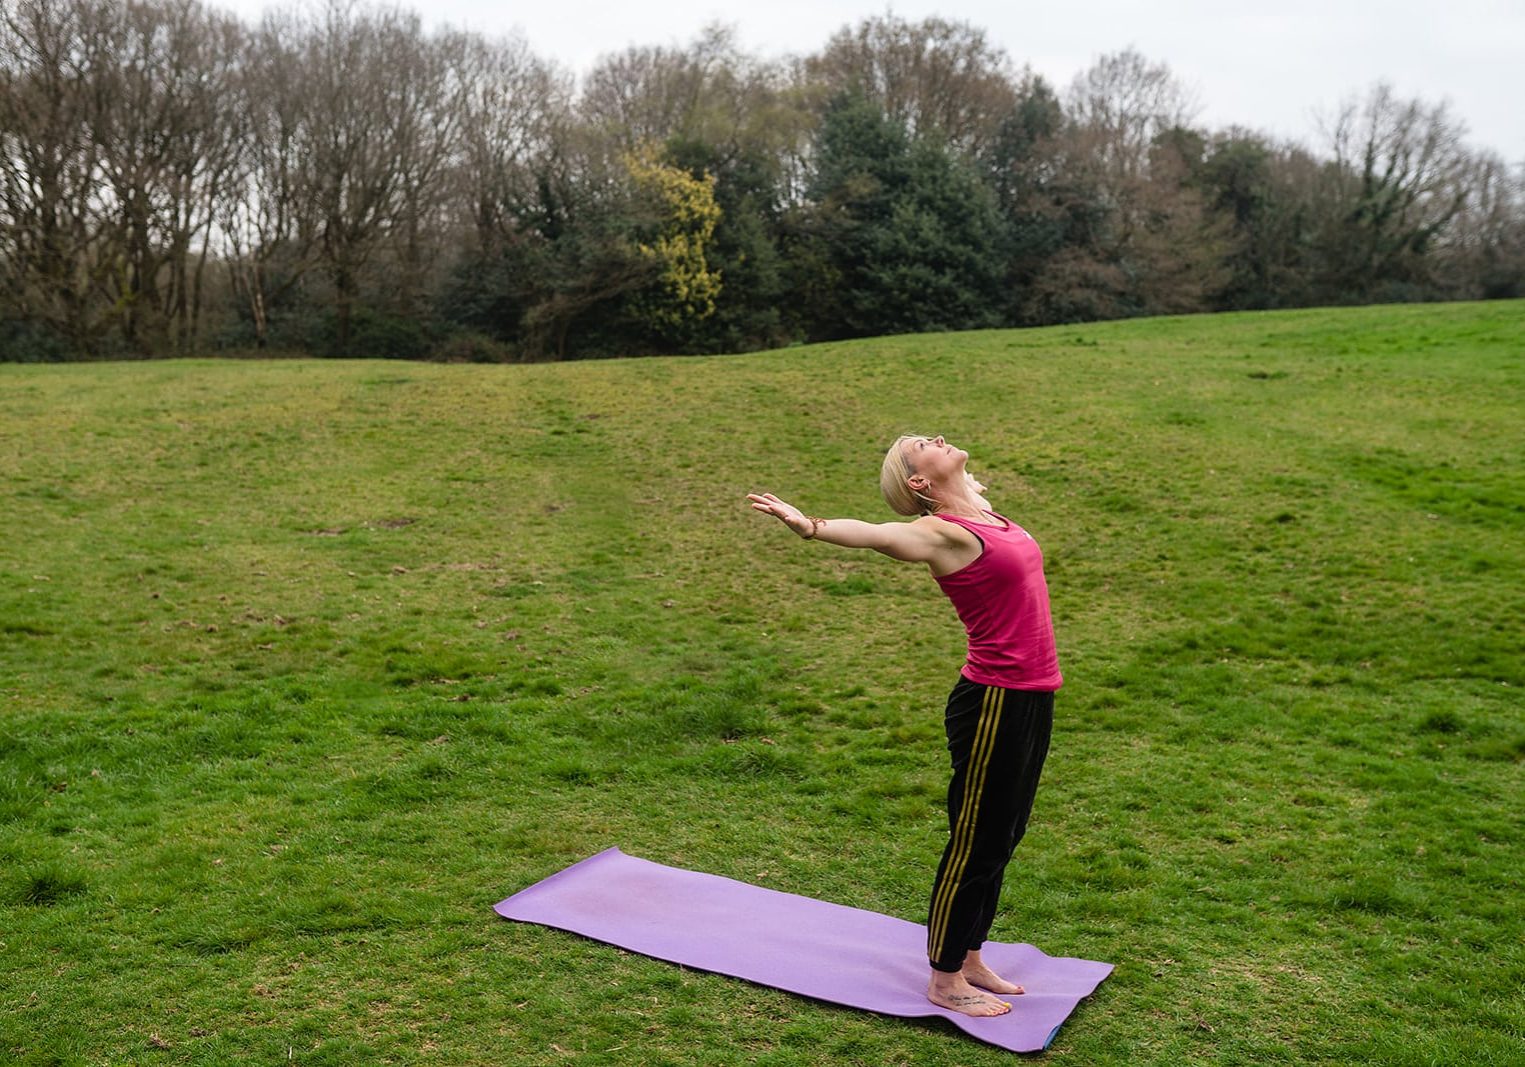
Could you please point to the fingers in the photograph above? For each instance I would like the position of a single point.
(769, 504)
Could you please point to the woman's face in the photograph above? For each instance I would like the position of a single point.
(934, 460)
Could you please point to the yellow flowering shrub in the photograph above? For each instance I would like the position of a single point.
(689, 216)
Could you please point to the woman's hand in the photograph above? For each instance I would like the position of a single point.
(788, 514)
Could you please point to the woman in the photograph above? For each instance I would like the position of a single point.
(1001, 711)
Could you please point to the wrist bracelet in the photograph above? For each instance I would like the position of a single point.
(816, 522)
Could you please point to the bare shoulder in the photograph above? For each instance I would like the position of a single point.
(941, 529)
(954, 546)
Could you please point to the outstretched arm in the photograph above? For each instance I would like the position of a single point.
(919, 541)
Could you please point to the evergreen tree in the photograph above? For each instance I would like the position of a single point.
(899, 236)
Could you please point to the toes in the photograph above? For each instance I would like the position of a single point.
(976, 1005)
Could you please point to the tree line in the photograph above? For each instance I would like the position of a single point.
(338, 180)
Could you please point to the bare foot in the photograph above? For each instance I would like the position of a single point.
(953, 992)
(977, 974)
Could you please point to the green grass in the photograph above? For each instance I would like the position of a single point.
(305, 665)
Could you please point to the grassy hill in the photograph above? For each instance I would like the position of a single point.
(304, 665)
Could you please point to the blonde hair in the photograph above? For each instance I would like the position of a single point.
(897, 470)
(902, 499)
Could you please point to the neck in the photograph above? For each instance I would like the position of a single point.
(962, 504)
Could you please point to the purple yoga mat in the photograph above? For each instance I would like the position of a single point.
(844, 955)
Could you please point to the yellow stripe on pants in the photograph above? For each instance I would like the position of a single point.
(963, 831)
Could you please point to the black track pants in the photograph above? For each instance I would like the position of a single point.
(998, 739)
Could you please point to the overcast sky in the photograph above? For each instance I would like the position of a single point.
(1271, 65)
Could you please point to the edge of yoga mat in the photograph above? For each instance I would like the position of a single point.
(584, 899)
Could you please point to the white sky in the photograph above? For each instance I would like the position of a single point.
(1270, 65)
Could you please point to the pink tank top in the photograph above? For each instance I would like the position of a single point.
(1002, 599)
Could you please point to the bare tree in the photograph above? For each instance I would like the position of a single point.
(53, 255)
(1131, 157)
(168, 139)
(428, 131)
(933, 77)
(515, 111)
(1405, 175)
(1124, 103)
(371, 145)
(1482, 252)
(709, 92)
(650, 93)
(267, 222)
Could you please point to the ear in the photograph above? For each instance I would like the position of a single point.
(918, 482)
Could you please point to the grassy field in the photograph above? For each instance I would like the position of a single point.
(305, 665)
